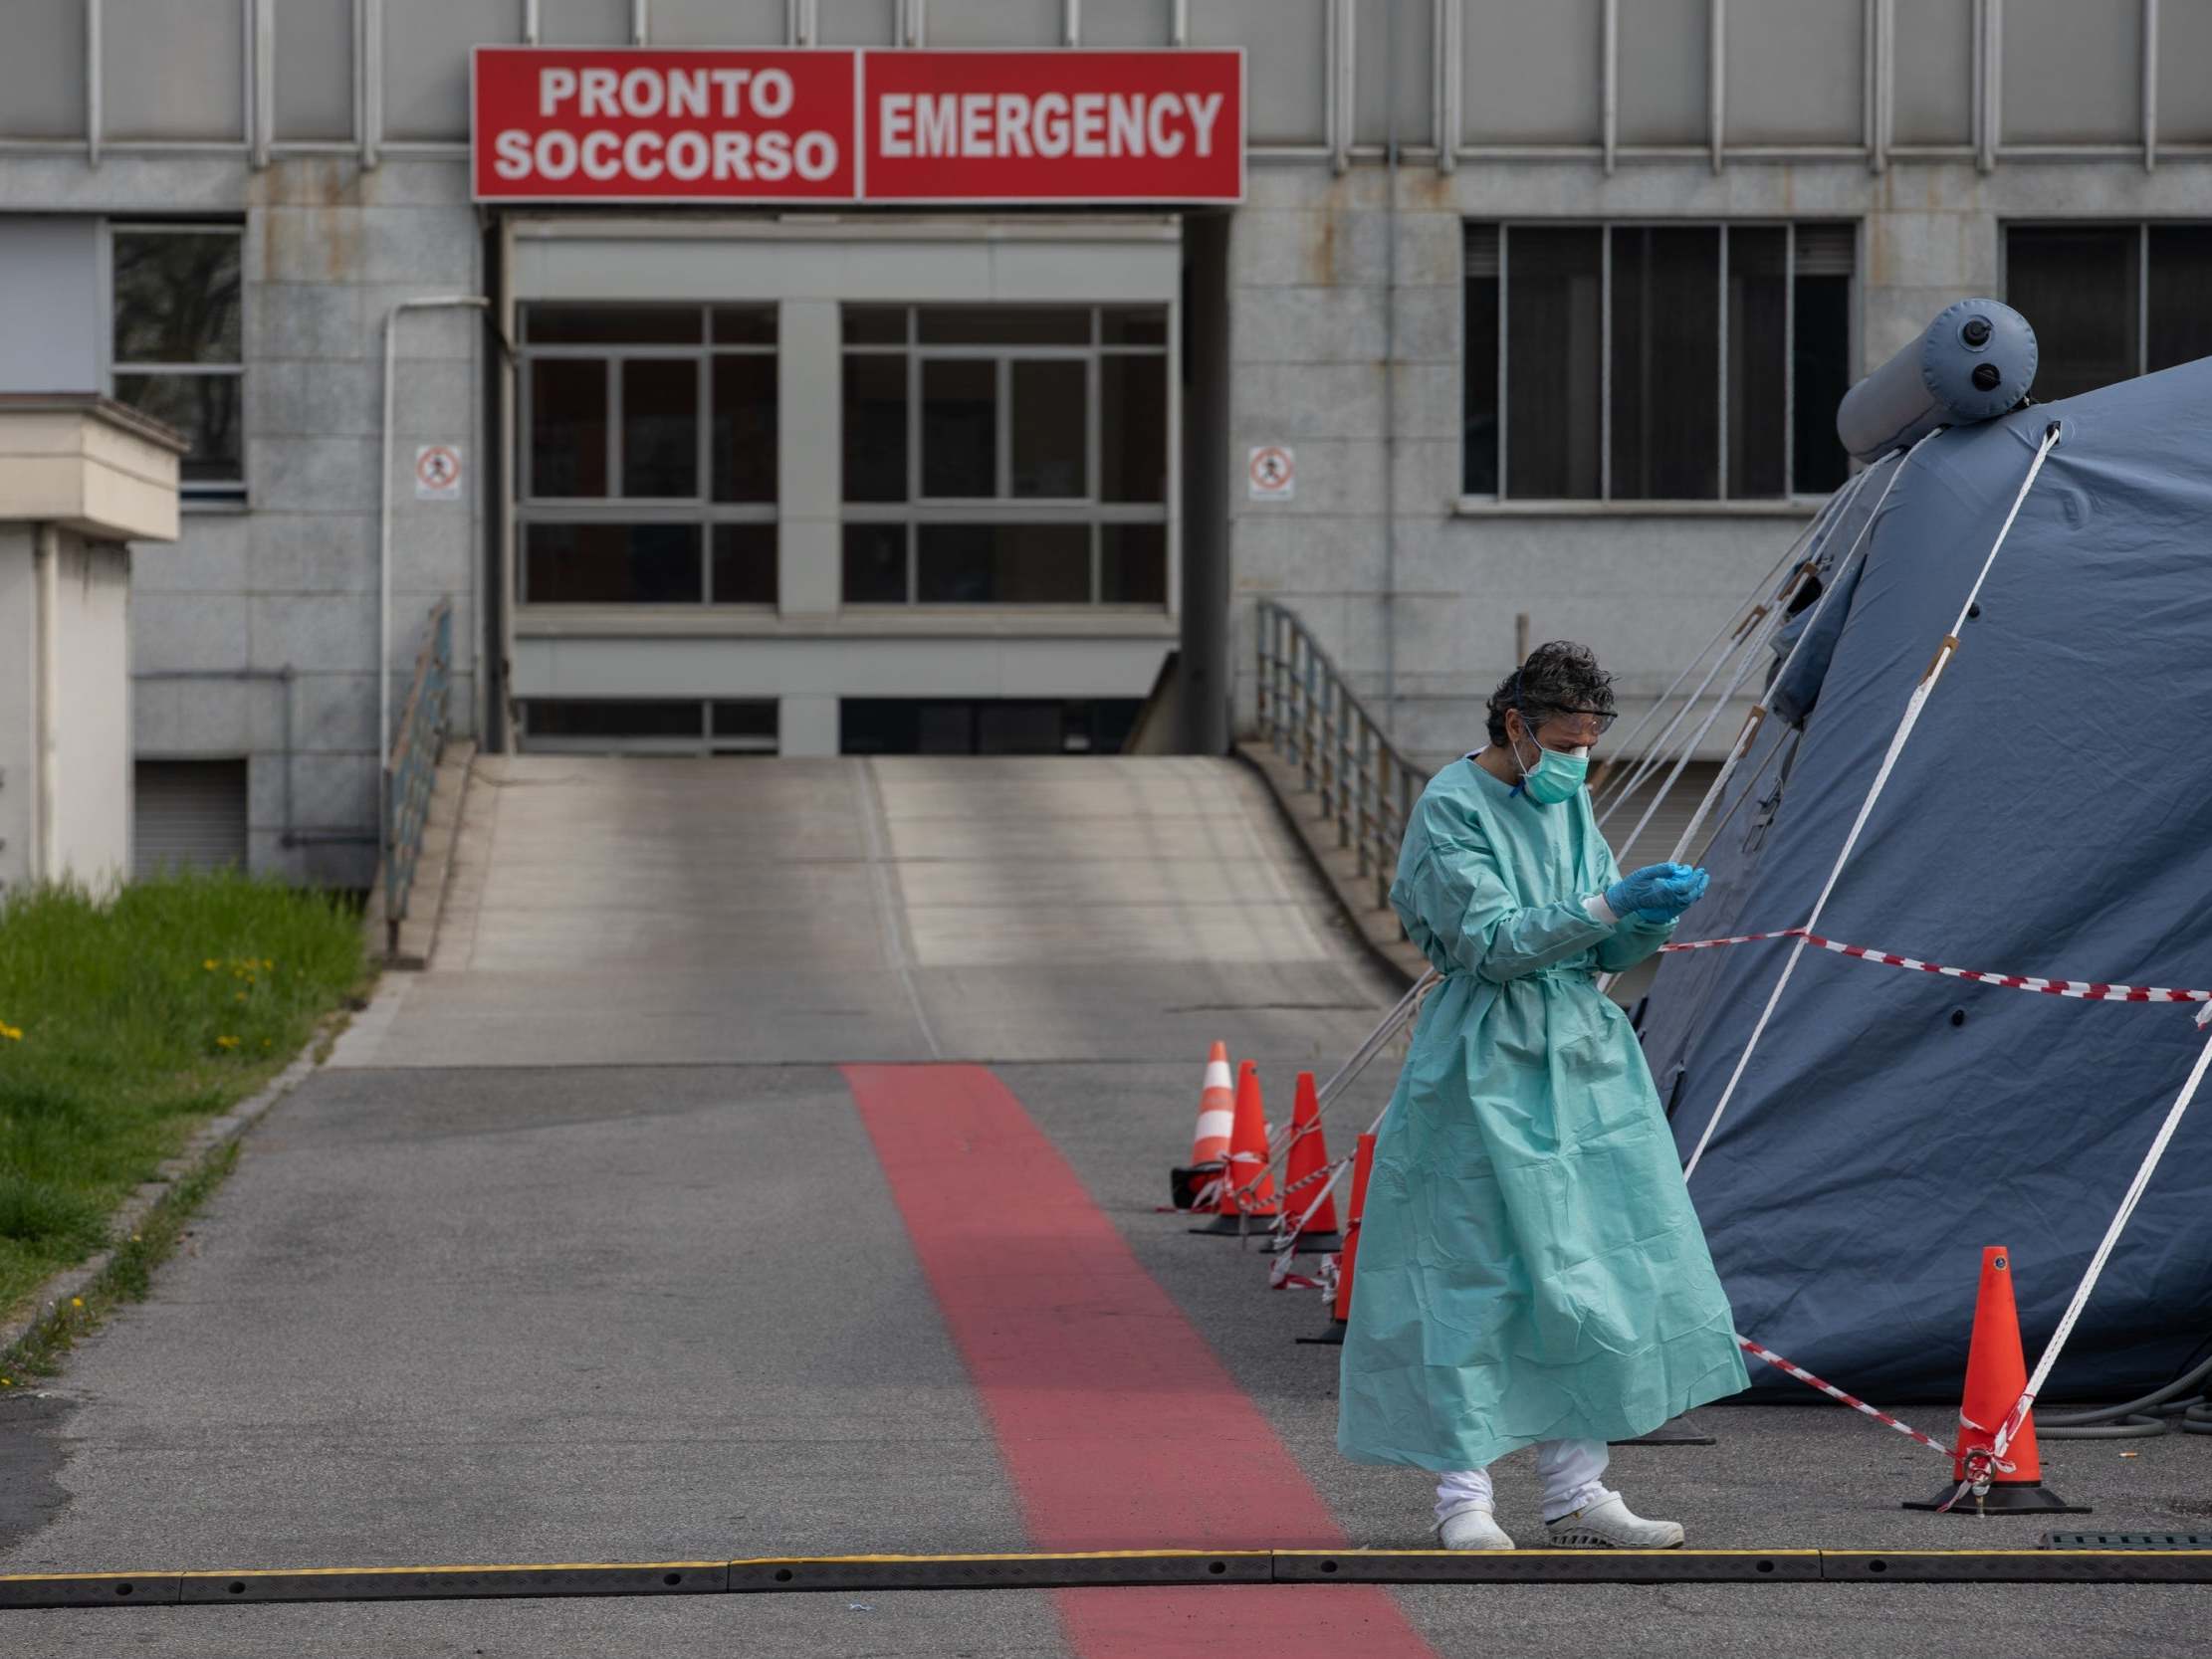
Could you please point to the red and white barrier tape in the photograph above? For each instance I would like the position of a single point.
(1832, 1392)
(2088, 990)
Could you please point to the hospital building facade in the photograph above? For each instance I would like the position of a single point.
(818, 377)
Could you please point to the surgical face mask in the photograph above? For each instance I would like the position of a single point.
(1555, 778)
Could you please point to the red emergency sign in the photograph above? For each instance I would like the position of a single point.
(558, 124)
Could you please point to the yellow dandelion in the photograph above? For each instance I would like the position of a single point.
(226, 1042)
(240, 996)
(77, 1302)
(211, 965)
(13, 1033)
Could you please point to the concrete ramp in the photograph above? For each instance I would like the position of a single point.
(626, 912)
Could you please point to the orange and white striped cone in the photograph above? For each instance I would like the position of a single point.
(1247, 1164)
(1210, 1145)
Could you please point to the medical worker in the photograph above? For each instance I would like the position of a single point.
(1531, 1272)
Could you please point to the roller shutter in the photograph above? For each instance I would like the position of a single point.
(189, 813)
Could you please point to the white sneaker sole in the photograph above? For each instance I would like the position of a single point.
(1578, 1538)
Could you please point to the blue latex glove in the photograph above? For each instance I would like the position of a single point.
(1658, 893)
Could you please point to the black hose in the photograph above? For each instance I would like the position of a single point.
(2138, 1419)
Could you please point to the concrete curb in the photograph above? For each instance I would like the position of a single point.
(211, 1138)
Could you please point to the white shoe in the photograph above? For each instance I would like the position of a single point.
(1473, 1528)
(1608, 1524)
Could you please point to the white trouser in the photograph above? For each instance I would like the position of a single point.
(1572, 1472)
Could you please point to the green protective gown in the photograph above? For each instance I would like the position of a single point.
(1529, 1264)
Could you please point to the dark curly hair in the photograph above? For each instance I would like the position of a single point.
(1556, 678)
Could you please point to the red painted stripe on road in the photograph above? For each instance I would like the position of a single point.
(1118, 1425)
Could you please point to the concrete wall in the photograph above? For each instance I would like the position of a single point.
(291, 579)
(81, 830)
(1310, 253)
(18, 704)
(88, 768)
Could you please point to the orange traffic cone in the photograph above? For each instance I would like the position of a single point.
(1210, 1146)
(1363, 1162)
(1996, 1377)
(1247, 1159)
(1305, 1178)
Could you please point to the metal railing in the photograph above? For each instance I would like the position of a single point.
(412, 772)
(1316, 723)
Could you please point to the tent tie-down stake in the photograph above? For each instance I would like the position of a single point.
(1903, 736)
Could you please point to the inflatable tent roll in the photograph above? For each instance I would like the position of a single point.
(2052, 815)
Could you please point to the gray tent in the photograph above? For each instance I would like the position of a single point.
(2052, 816)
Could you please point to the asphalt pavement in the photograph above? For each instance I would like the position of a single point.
(580, 1249)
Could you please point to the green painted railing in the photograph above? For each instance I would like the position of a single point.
(1311, 716)
(412, 771)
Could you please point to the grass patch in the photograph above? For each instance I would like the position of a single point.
(124, 1024)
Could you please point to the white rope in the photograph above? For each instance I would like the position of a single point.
(2019, 1414)
(1733, 622)
(1759, 710)
(1899, 739)
(1776, 609)
(1646, 765)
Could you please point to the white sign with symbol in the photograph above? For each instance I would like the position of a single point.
(1273, 472)
(438, 473)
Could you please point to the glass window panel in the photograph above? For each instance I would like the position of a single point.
(1003, 326)
(1478, 379)
(583, 22)
(857, 22)
(426, 61)
(1555, 337)
(874, 324)
(945, 728)
(2185, 90)
(1129, 23)
(1004, 564)
(1665, 362)
(875, 564)
(204, 407)
(41, 73)
(1050, 427)
(1133, 324)
(1385, 27)
(1934, 69)
(743, 438)
(2073, 73)
(549, 716)
(875, 436)
(315, 69)
(1133, 565)
(1664, 59)
(1008, 727)
(660, 426)
(2077, 285)
(745, 565)
(960, 427)
(1534, 74)
(611, 564)
(1823, 375)
(720, 22)
(1133, 429)
(2181, 323)
(172, 68)
(876, 726)
(611, 324)
(177, 296)
(752, 719)
(1795, 73)
(1286, 54)
(996, 22)
(745, 325)
(568, 427)
(1758, 358)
